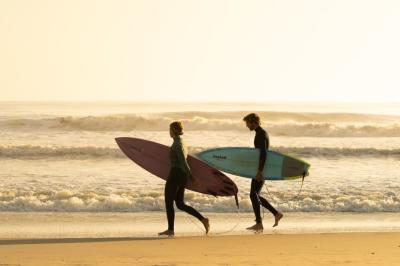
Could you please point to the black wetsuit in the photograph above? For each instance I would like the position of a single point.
(261, 142)
(176, 183)
(175, 191)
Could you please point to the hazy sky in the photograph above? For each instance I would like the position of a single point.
(339, 50)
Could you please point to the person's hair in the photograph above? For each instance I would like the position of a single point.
(252, 118)
(177, 127)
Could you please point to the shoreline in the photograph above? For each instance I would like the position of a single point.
(79, 225)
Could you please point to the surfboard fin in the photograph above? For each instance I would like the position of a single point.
(237, 201)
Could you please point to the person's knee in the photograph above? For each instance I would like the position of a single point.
(180, 205)
(253, 196)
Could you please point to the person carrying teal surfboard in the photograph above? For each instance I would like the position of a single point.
(261, 142)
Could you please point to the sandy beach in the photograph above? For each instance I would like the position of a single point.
(303, 249)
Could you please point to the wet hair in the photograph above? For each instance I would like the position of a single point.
(177, 127)
(252, 118)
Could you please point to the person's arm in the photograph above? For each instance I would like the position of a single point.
(263, 142)
(262, 159)
(263, 151)
(182, 160)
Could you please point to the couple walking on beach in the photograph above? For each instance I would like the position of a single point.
(180, 172)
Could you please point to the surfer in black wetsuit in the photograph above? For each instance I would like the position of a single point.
(176, 182)
(261, 142)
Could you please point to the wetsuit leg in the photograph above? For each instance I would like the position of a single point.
(171, 187)
(256, 199)
(179, 199)
(267, 205)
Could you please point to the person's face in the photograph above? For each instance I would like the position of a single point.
(171, 132)
(251, 126)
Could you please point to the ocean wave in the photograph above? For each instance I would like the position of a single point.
(38, 152)
(90, 201)
(279, 124)
(87, 152)
(317, 152)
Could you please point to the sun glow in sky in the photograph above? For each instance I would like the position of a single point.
(311, 50)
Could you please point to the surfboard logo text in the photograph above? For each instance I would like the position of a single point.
(219, 157)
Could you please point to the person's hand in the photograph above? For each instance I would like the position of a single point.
(259, 176)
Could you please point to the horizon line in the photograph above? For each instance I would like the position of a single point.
(200, 102)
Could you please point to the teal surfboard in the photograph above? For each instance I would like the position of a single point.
(243, 161)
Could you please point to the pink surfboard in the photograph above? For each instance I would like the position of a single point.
(154, 157)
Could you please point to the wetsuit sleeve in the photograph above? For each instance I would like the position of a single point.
(263, 142)
(181, 159)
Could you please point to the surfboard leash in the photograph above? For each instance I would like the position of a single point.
(224, 232)
(297, 195)
(237, 220)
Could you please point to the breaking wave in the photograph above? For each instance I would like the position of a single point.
(279, 124)
(87, 152)
(90, 201)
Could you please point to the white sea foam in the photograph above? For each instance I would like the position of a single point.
(34, 152)
(91, 201)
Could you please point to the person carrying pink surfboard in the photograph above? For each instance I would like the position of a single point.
(176, 182)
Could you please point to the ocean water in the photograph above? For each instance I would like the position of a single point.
(62, 157)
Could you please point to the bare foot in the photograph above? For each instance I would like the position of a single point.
(168, 233)
(257, 227)
(206, 224)
(278, 217)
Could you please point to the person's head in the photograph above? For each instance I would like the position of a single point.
(175, 129)
(252, 121)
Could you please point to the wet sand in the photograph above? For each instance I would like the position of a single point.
(290, 249)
